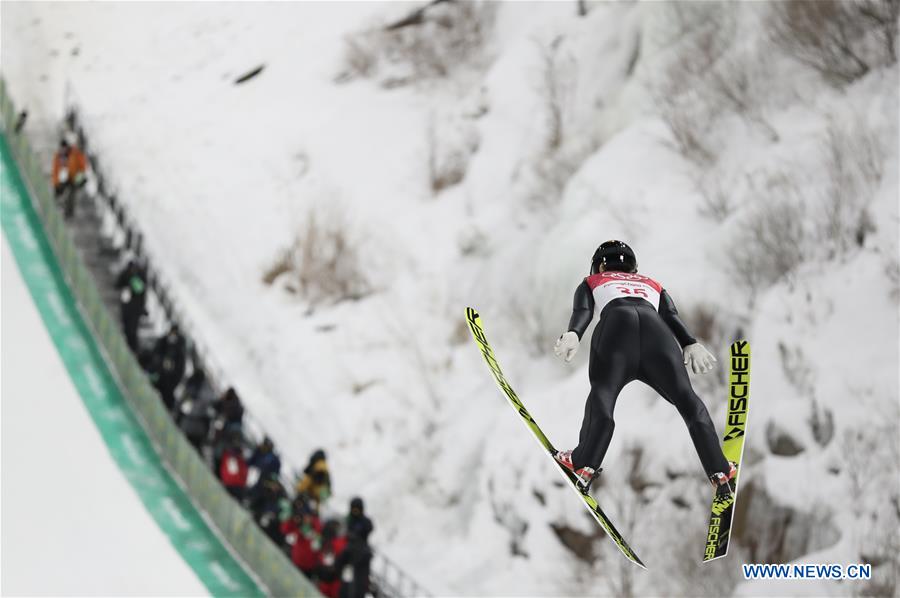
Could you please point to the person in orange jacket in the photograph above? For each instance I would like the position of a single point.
(68, 175)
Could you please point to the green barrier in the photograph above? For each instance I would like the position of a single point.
(234, 524)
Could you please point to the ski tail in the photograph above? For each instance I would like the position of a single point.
(474, 322)
(718, 535)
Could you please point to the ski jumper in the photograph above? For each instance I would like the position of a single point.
(635, 339)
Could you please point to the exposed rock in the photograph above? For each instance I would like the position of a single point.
(821, 422)
(580, 543)
(781, 442)
(775, 533)
(680, 502)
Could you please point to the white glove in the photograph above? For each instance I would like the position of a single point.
(567, 346)
(700, 360)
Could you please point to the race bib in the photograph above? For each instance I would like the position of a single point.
(607, 286)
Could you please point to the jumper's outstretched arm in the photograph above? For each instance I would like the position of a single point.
(696, 356)
(669, 314)
(582, 313)
(582, 310)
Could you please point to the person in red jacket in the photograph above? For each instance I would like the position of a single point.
(333, 544)
(302, 532)
(289, 529)
(304, 554)
(305, 550)
(233, 471)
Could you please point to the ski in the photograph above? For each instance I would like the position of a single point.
(474, 321)
(722, 509)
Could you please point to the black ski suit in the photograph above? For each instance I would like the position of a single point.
(635, 339)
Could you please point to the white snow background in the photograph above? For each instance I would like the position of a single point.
(222, 178)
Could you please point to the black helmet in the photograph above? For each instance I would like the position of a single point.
(614, 255)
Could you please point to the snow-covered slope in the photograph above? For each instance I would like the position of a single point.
(72, 524)
(556, 120)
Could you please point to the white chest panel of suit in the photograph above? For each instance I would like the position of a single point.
(607, 286)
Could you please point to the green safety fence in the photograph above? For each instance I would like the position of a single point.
(234, 524)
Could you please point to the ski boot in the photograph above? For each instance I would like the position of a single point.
(584, 476)
(724, 483)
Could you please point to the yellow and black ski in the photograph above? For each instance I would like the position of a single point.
(723, 505)
(474, 321)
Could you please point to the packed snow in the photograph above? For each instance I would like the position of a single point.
(72, 523)
(555, 123)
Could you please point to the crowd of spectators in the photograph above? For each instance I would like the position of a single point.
(332, 552)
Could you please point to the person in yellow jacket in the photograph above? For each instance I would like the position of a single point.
(316, 481)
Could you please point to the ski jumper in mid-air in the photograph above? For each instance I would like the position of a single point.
(639, 337)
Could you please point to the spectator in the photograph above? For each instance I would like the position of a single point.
(229, 422)
(358, 524)
(232, 435)
(302, 531)
(147, 361)
(299, 505)
(196, 385)
(265, 503)
(132, 300)
(233, 470)
(290, 527)
(333, 545)
(265, 460)
(292, 521)
(196, 410)
(230, 408)
(286, 507)
(169, 358)
(354, 563)
(316, 481)
(68, 175)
